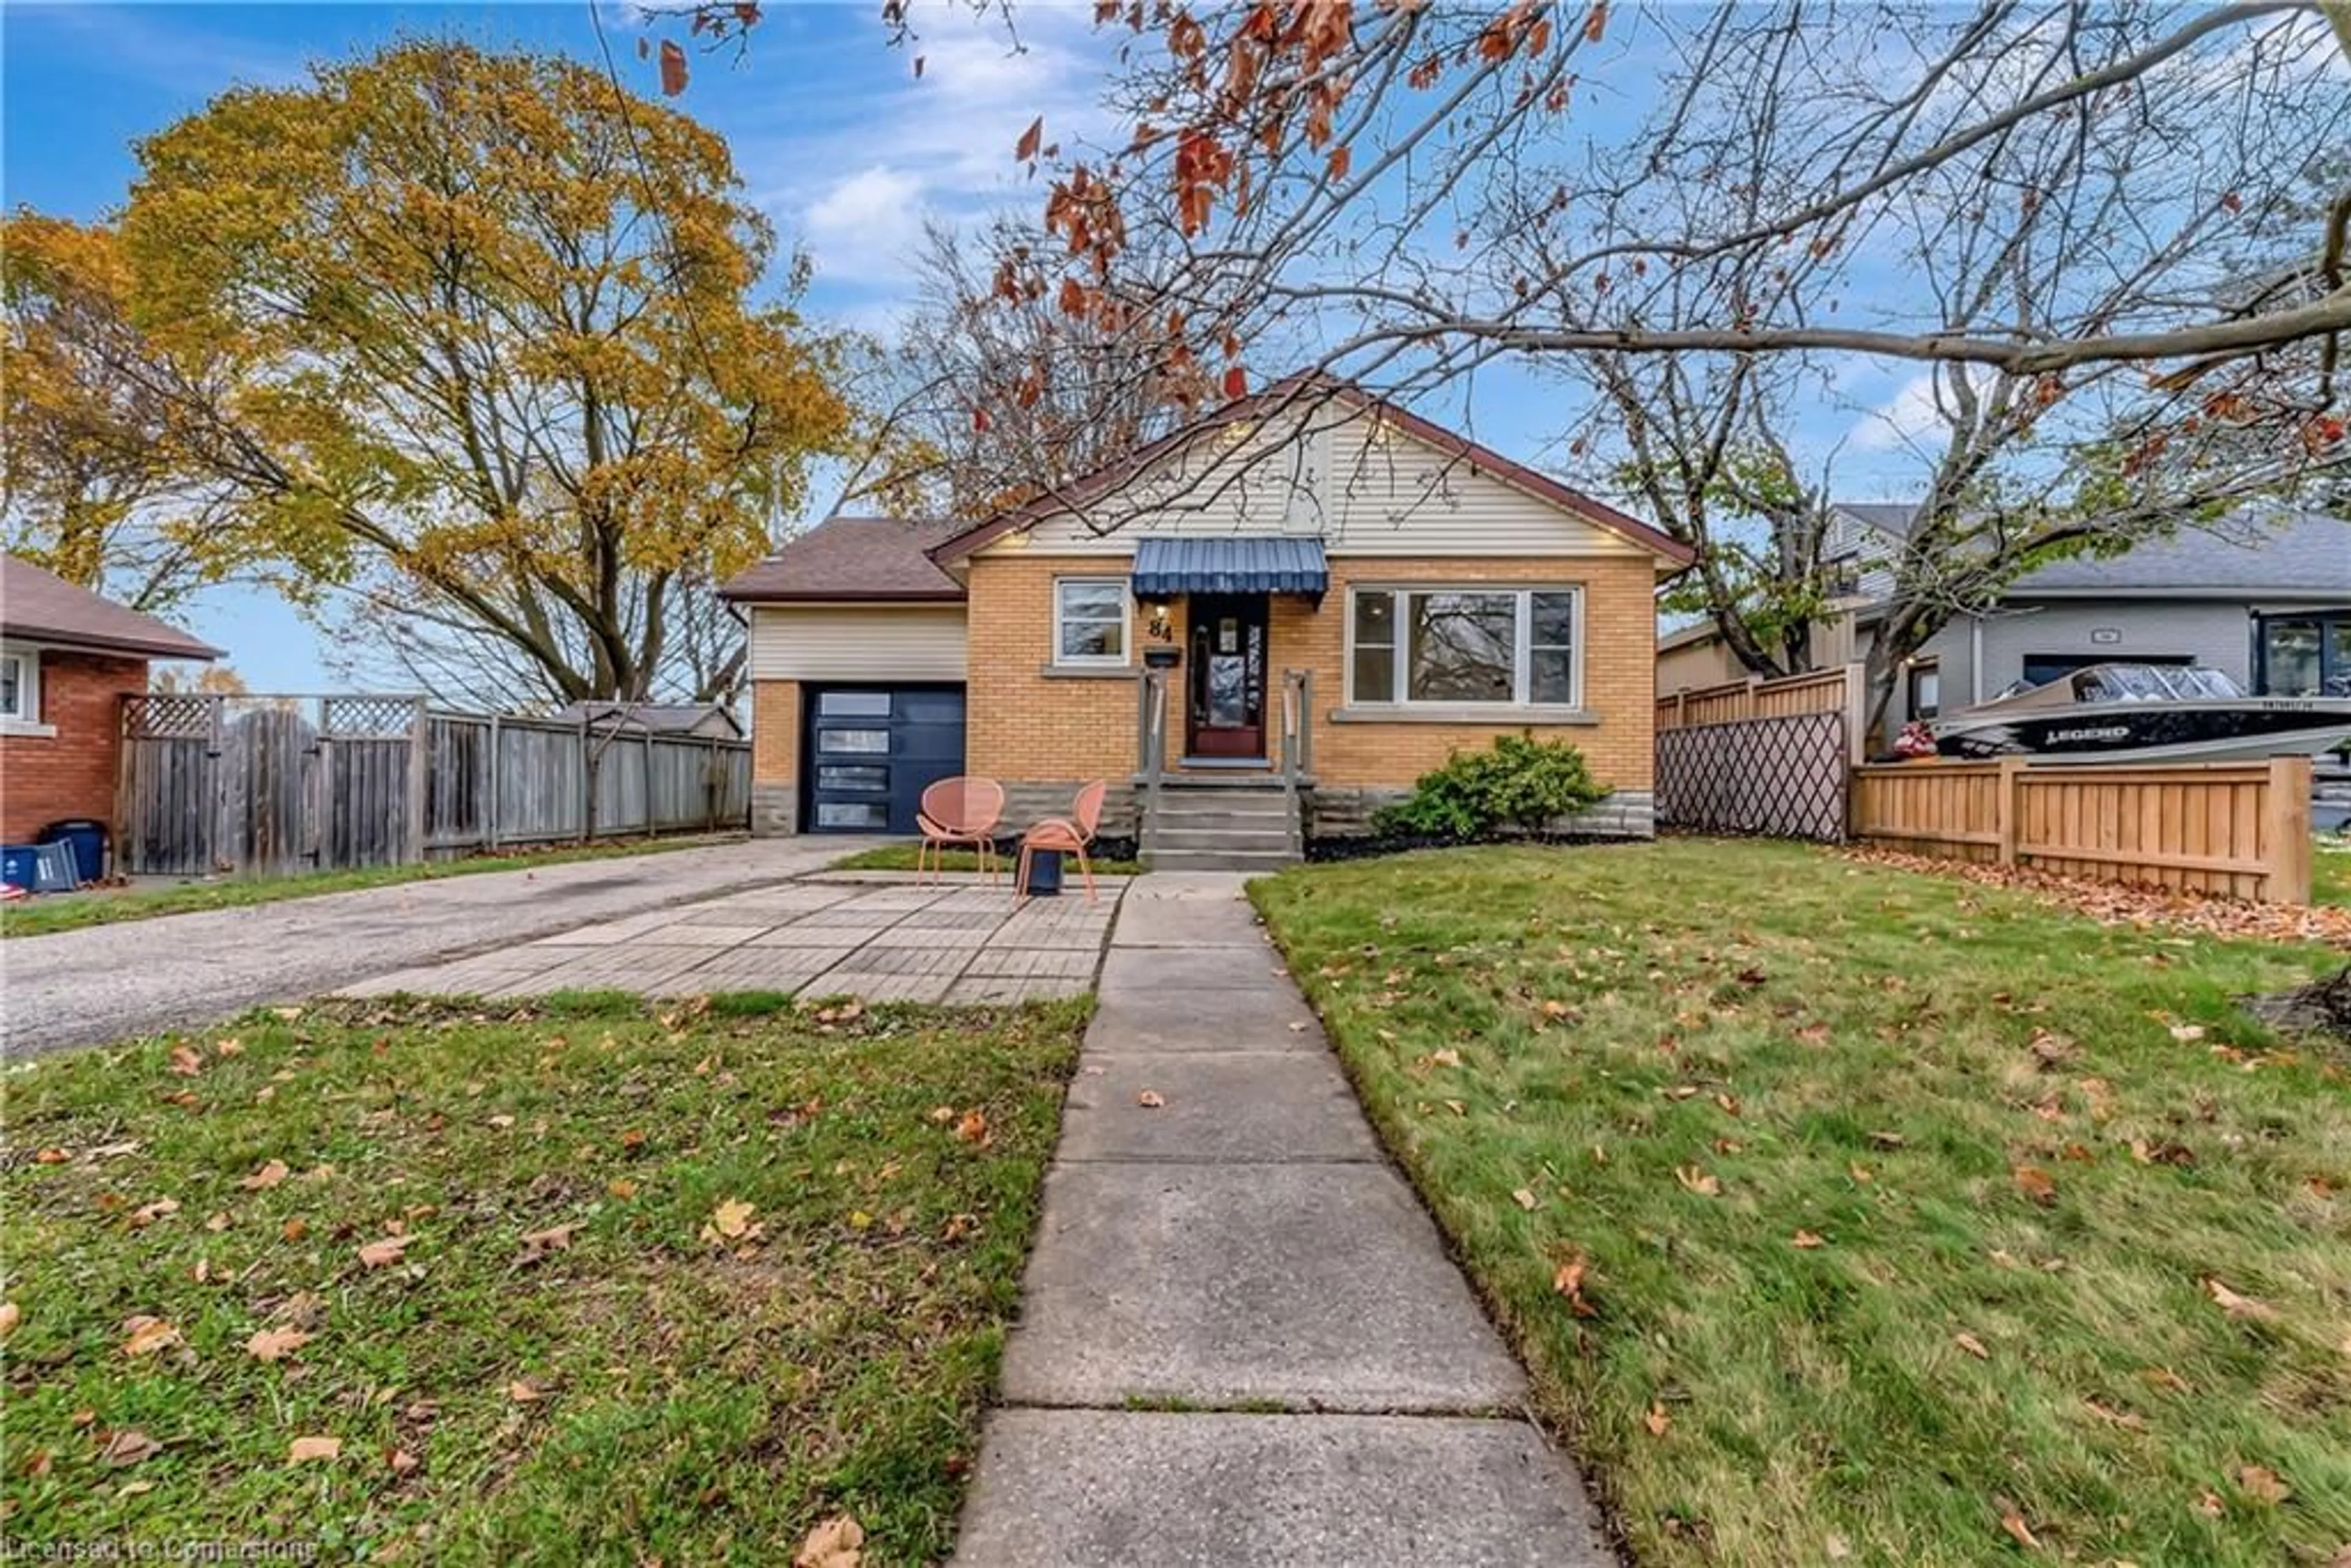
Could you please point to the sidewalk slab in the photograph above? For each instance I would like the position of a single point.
(1077, 1488)
(1246, 966)
(1236, 1106)
(1129, 1021)
(1186, 923)
(1318, 1286)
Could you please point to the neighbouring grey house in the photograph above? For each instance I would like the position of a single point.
(706, 721)
(2265, 596)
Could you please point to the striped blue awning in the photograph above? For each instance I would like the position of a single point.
(1243, 564)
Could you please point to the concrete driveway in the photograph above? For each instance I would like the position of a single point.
(186, 971)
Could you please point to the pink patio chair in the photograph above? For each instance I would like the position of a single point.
(1069, 835)
(959, 812)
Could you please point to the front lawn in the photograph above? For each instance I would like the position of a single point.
(1848, 1214)
(419, 1282)
(104, 907)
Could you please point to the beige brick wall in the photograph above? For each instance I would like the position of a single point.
(1027, 725)
(1021, 723)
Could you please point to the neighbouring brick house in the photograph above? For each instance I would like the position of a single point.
(1324, 596)
(68, 658)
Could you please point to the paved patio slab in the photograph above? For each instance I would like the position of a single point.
(1076, 1489)
(1186, 922)
(883, 939)
(1245, 1105)
(1318, 1286)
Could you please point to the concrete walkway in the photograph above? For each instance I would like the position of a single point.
(1241, 1257)
(184, 971)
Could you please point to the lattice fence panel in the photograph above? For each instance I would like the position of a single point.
(370, 717)
(163, 716)
(1774, 778)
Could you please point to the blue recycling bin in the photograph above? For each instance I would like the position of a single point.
(87, 837)
(1044, 874)
(20, 865)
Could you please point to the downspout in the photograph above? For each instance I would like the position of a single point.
(1975, 659)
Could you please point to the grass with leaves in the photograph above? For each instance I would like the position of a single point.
(1844, 1214)
(589, 1282)
(104, 907)
(901, 857)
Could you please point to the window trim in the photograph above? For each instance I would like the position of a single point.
(28, 693)
(1521, 703)
(1911, 671)
(1125, 656)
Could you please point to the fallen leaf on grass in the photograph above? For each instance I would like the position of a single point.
(306, 1449)
(276, 1344)
(972, 1128)
(2238, 1306)
(1805, 1239)
(186, 1061)
(2129, 1420)
(537, 1244)
(838, 1542)
(2187, 1033)
(1150, 1099)
(1568, 1280)
(11, 1314)
(2261, 1484)
(294, 1229)
(268, 1177)
(502, 1121)
(2034, 1182)
(2208, 1503)
(522, 1391)
(128, 1448)
(1523, 1198)
(384, 1253)
(2020, 1532)
(1556, 1010)
(51, 1157)
(148, 1335)
(1656, 1420)
(1972, 1345)
(621, 1188)
(148, 1214)
(1449, 1057)
(1698, 1181)
(731, 1220)
(401, 1460)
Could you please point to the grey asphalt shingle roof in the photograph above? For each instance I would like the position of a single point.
(2280, 550)
(2290, 552)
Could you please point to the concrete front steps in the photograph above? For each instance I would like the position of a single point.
(1245, 824)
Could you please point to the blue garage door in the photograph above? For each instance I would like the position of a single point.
(873, 750)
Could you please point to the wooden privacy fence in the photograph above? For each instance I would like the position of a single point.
(2238, 830)
(1841, 690)
(269, 785)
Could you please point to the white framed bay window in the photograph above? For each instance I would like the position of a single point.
(1465, 646)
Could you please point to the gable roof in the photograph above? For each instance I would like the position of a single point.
(2287, 552)
(42, 607)
(853, 561)
(1274, 399)
(662, 719)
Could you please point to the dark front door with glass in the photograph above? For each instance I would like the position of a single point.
(1226, 714)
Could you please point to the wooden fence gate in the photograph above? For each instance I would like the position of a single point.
(272, 785)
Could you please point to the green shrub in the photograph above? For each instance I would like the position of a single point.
(1519, 782)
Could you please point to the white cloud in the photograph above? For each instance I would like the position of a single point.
(867, 224)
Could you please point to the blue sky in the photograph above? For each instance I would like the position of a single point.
(835, 138)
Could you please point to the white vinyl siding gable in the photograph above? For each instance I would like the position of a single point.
(857, 643)
(1361, 491)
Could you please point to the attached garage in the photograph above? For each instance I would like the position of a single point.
(857, 668)
(873, 750)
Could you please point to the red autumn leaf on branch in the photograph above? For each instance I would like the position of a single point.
(1236, 382)
(1030, 140)
(673, 68)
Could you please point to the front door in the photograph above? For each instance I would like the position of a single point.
(1226, 715)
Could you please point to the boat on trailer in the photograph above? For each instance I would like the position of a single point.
(2125, 712)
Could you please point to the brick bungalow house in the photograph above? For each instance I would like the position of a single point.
(67, 659)
(1258, 635)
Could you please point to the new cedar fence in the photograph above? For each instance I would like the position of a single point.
(1841, 690)
(2237, 829)
(273, 785)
